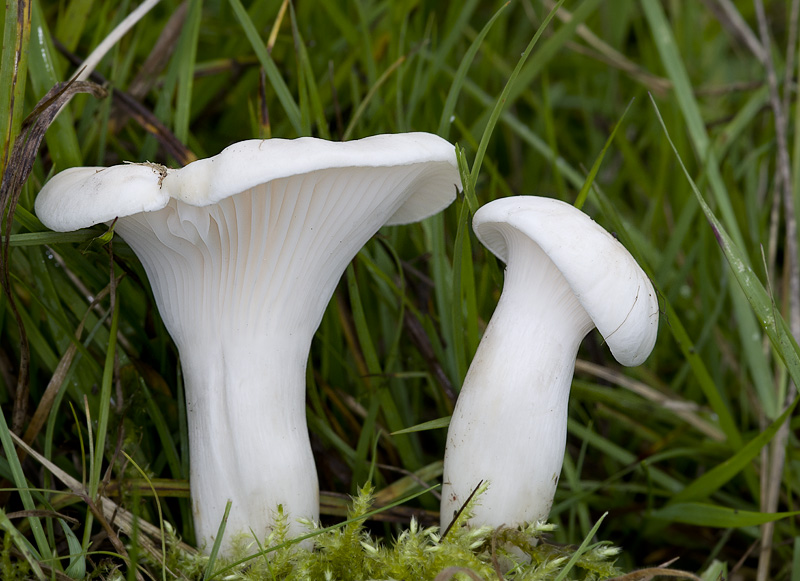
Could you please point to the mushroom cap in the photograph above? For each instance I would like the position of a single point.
(610, 285)
(84, 196)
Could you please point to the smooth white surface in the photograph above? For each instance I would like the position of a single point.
(242, 276)
(564, 276)
(81, 197)
(605, 278)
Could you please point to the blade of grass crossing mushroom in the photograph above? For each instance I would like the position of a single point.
(283, 93)
(212, 558)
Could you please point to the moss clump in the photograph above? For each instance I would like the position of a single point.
(348, 552)
(12, 568)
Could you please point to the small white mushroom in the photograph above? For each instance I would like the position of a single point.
(564, 276)
(243, 251)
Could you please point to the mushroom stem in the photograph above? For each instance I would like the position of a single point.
(248, 435)
(510, 421)
(244, 336)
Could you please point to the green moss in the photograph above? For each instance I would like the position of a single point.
(348, 552)
(12, 569)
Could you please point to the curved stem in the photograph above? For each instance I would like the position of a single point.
(509, 424)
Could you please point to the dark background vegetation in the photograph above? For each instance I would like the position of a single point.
(662, 448)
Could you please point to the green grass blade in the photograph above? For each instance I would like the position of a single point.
(584, 193)
(13, 73)
(44, 71)
(760, 300)
(501, 101)
(368, 99)
(456, 301)
(186, 56)
(22, 545)
(290, 107)
(581, 549)
(685, 96)
(702, 375)
(690, 109)
(709, 515)
(49, 238)
(212, 557)
(718, 476)
(461, 75)
(553, 45)
(436, 424)
(104, 406)
(22, 487)
(72, 23)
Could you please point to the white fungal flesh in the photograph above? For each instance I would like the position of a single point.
(243, 254)
(510, 421)
(242, 286)
(565, 275)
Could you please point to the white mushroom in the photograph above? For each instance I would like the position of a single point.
(564, 276)
(243, 251)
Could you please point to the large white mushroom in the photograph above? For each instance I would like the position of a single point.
(243, 251)
(564, 276)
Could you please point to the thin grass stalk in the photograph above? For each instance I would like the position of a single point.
(13, 72)
(783, 186)
(91, 62)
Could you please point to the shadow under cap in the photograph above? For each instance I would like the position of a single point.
(610, 285)
(81, 197)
